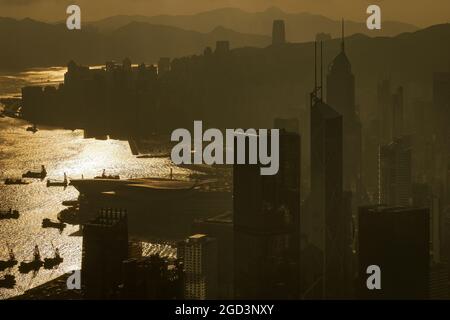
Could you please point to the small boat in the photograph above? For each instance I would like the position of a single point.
(34, 265)
(36, 175)
(69, 216)
(70, 203)
(6, 264)
(63, 183)
(105, 176)
(8, 282)
(50, 263)
(150, 156)
(33, 129)
(9, 214)
(10, 181)
(47, 223)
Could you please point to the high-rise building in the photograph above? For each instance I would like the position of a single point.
(278, 32)
(152, 278)
(220, 227)
(397, 113)
(328, 222)
(105, 246)
(163, 65)
(266, 222)
(200, 258)
(394, 173)
(384, 102)
(222, 47)
(395, 239)
(341, 96)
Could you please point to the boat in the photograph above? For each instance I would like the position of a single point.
(33, 129)
(9, 214)
(105, 176)
(63, 183)
(11, 262)
(47, 223)
(36, 175)
(34, 265)
(50, 263)
(69, 216)
(8, 282)
(10, 181)
(70, 203)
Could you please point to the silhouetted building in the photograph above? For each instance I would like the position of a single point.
(222, 47)
(152, 278)
(397, 114)
(267, 227)
(396, 239)
(105, 246)
(200, 259)
(278, 32)
(163, 66)
(323, 37)
(384, 103)
(439, 282)
(290, 125)
(395, 177)
(220, 227)
(341, 96)
(328, 220)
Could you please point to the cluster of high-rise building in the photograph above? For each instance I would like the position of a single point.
(278, 242)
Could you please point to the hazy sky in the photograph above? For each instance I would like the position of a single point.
(418, 12)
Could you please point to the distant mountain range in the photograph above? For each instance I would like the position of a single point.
(28, 43)
(300, 27)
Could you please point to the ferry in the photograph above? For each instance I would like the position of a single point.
(10, 181)
(47, 223)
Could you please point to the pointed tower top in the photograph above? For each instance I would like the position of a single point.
(343, 36)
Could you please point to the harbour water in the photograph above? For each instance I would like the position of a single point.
(61, 151)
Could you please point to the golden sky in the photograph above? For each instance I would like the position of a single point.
(418, 12)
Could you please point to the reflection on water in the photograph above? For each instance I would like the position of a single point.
(61, 151)
(11, 83)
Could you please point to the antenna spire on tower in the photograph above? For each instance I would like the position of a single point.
(343, 36)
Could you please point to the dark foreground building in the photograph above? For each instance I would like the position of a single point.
(396, 239)
(267, 227)
(105, 247)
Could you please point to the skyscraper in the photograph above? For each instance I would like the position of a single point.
(200, 257)
(341, 96)
(397, 113)
(394, 173)
(328, 221)
(105, 247)
(396, 239)
(384, 100)
(267, 227)
(278, 32)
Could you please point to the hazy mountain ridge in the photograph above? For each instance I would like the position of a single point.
(29, 43)
(300, 27)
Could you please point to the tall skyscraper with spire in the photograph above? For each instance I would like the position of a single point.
(341, 95)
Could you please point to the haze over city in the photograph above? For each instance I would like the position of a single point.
(418, 12)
